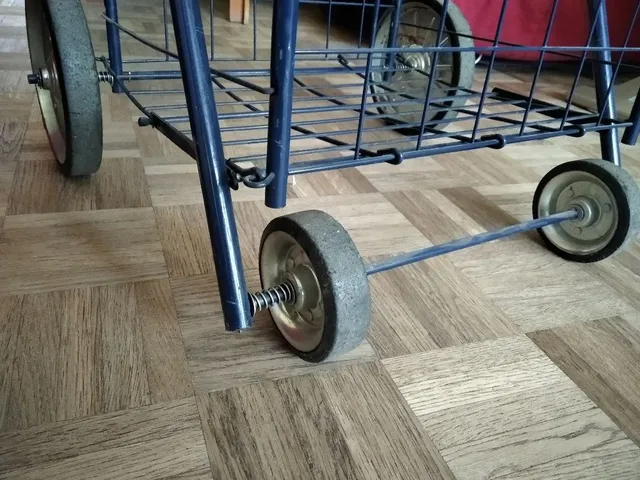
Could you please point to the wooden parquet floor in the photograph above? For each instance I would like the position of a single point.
(501, 361)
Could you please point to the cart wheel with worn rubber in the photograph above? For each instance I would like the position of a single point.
(309, 260)
(608, 200)
(64, 72)
(454, 70)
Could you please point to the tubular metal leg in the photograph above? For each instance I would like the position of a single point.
(283, 45)
(203, 117)
(113, 42)
(631, 133)
(603, 75)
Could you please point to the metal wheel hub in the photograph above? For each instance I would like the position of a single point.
(284, 260)
(45, 75)
(591, 197)
(418, 29)
(417, 60)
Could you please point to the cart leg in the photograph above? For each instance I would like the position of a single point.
(631, 133)
(113, 42)
(283, 45)
(603, 74)
(203, 117)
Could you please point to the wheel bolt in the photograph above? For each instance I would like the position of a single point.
(606, 207)
(34, 79)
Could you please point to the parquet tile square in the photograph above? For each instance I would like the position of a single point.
(431, 305)
(39, 187)
(76, 249)
(536, 289)
(347, 423)
(81, 352)
(502, 409)
(158, 441)
(600, 357)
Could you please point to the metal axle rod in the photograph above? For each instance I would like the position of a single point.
(437, 250)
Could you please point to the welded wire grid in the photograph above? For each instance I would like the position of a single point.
(358, 100)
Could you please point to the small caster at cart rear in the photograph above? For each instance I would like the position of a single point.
(419, 24)
(310, 264)
(67, 85)
(607, 199)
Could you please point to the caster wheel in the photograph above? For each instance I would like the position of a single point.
(453, 70)
(609, 200)
(68, 90)
(330, 312)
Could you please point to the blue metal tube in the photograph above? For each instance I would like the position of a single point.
(630, 136)
(603, 76)
(492, 60)
(493, 141)
(532, 91)
(437, 250)
(365, 88)
(619, 62)
(113, 41)
(393, 33)
(432, 76)
(212, 16)
(194, 63)
(165, 28)
(283, 43)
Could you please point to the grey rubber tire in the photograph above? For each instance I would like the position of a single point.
(342, 277)
(464, 62)
(627, 198)
(79, 83)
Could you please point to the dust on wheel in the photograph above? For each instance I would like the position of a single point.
(64, 72)
(419, 23)
(608, 200)
(312, 252)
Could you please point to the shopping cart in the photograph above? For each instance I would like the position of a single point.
(400, 84)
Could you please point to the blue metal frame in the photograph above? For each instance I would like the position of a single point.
(113, 41)
(203, 117)
(283, 47)
(603, 75)
(198, 132)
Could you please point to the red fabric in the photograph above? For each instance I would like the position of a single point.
(526, 21)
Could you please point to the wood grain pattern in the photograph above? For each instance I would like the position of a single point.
(502, 409)
(349, 423)
(110, 320)
(601, 358)
(536, 289)
(11, 136)
(431, 305)
(40, 188)
(219, 359)
(79, 248)
(160, 442)
(88, 351)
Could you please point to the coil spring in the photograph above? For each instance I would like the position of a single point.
(105, 77)
(283, 293)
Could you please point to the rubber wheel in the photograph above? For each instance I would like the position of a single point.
(460, 74)
(312, 250)
(609, 199)
(62, 54)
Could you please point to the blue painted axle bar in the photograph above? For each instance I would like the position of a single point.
(437, 250)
